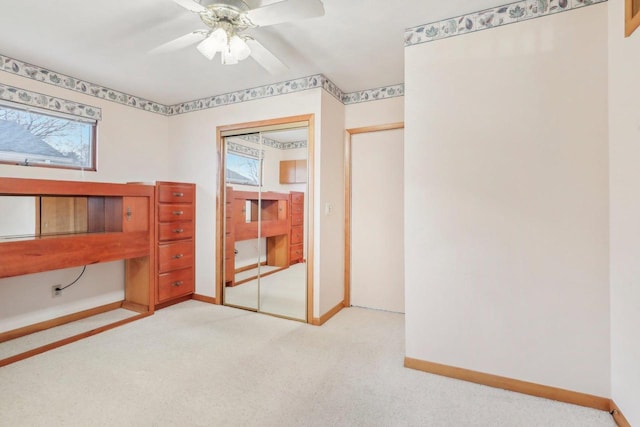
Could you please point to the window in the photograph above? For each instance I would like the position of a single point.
(34, 137)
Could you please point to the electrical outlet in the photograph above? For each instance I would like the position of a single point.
(56, 291)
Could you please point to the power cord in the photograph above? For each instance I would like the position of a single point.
(58, 288)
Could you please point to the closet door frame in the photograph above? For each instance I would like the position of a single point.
(305, 120)
(347, 197)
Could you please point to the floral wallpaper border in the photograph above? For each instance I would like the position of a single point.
(244, 150)
(281, 88)
(273, 143)
(44, 75)
(294, 145)
(490, 18)
(290, 86)
(35, 99)
(373, 94)
(40, 74)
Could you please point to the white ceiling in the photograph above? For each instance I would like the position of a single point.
(357, 44)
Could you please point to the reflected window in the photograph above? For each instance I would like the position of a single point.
(243, 170)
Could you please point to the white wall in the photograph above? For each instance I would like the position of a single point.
(506, 189)
(329, 243)
(381, 112)
(624, 161)
(132, 146)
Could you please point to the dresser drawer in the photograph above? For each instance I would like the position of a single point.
(177, 212)
(297, 219)
(175, 283)
(297, 197)
(297, 254)
(297, 235)
(175, 231)
(172, 256)
(297, 208)
(175, 193)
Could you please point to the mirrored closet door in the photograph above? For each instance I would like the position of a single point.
(265, 222)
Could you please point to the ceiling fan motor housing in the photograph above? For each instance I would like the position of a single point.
(232, 12)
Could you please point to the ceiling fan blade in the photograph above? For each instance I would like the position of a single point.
(179, 43)
(265, 58)
(191, 5)
(285, 11)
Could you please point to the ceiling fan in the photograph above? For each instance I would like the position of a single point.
(226, 20)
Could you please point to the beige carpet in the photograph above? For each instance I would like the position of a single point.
(48, 336)
(196, 364)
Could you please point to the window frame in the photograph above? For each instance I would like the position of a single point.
(93, 167)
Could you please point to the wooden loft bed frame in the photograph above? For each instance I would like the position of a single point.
(119, 225)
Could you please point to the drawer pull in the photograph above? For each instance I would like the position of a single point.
(177, 284)
(177, 194)
(178, 230)
(178, 256)
(178, 213)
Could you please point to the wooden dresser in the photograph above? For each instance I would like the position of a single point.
(175, 227)
(296, 243)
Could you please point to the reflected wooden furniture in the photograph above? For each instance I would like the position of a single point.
(94, 223)
(296, 246)
(175, 213)
(243, 211)
(293, 171)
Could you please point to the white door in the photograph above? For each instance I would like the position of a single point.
(377, 220)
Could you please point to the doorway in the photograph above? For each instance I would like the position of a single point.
(265, 226)
(374, 277)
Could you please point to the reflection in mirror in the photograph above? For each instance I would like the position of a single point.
(243, 248)
(284, 291)
(265, 245)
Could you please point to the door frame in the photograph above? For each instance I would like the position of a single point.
(307, 120)
(347, 198)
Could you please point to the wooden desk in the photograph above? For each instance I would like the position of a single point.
(119, 225)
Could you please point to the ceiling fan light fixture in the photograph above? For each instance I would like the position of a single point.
(239, 48)
(228, 58)
(227, 20)
(216, 42)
